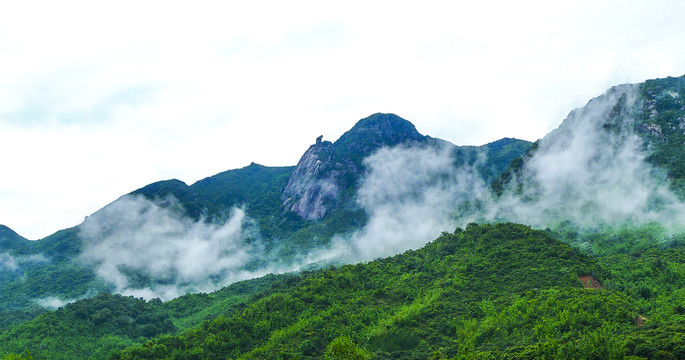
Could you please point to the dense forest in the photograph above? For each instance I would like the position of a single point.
(486, 291)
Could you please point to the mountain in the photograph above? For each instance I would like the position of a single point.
(652, 112)
(325, 178)
(327, 175)
(169, 238)
(317, 199)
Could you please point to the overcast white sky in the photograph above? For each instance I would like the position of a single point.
(99, 100)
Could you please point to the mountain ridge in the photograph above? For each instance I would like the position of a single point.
(269, 229)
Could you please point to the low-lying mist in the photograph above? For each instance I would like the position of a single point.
(149, 250)
(591, 171)
(410, 195)
(8, 262)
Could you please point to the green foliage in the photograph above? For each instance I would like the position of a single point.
(342, 348)
(500, 291)
(257, 187)
(10, 239)
(503, 155)
(192, 310)
(410, 305)
(662, 124)
(51, 270)
(513, 171)
(191, 204)
(657, 341)
(28, 356)
(88, 329)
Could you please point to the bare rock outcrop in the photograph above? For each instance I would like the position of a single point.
(327, 171)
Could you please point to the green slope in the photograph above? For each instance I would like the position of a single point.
(500, 291)
(256, 187)
(662, 124)
(96, 327)
(88, 328)
(490, 291)
(417, 303)
(47, 270)
(10, 239)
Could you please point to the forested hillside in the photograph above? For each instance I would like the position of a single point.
(486, 291)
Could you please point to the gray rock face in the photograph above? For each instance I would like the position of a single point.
(313, 184)
(328, 170)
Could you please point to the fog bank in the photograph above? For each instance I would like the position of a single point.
(147, 250)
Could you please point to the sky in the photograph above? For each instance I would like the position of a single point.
(97, 100)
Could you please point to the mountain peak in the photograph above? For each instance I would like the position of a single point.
(325, 171)
(378, 130)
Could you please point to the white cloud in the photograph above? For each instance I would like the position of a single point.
(586, 174)
(12, 263)
(410, 194)
(138, 235)
(52, 302)
(8, 262)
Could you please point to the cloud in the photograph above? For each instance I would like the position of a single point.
(8, 262)
(52, 302)
(410, 194)
(12, 263)
(149, 250)
(592, 171)
(145, 249)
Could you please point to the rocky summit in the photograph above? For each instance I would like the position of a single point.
(327, 170)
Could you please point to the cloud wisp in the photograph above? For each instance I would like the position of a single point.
(148, 250)
(410, 195)
(52, 302)
(592, 171)
(13, 263)
(8, 262)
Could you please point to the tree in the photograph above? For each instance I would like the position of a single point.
(342, 348)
